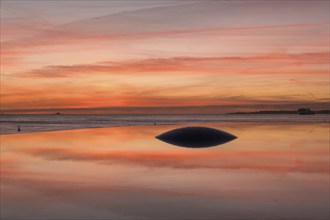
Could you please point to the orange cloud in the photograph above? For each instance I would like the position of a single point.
(266, 65)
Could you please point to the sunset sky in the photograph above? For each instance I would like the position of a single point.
(101, 54)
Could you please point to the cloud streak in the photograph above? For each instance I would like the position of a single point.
(196, 65)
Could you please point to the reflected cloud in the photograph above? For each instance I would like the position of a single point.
(270, 161)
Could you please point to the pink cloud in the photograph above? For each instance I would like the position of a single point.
(271, 64)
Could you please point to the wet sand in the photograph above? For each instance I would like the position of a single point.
(271, 171)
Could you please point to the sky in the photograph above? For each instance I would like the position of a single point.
(161, 54)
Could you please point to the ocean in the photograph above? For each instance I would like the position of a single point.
(40, 123)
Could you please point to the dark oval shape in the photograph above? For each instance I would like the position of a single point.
(196, 137)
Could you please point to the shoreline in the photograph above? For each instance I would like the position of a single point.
(159, 125)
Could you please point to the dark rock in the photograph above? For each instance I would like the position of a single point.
(196, 137)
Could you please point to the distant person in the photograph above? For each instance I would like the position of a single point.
(18, 128)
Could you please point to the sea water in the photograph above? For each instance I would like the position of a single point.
(39, 123)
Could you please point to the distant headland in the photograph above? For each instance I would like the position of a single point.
(279, 112)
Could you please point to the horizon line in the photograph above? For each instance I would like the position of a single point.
(206, 109)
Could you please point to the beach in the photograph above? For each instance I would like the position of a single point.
(273, 170)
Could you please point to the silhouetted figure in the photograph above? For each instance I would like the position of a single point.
(155, 123)
(18, 128)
